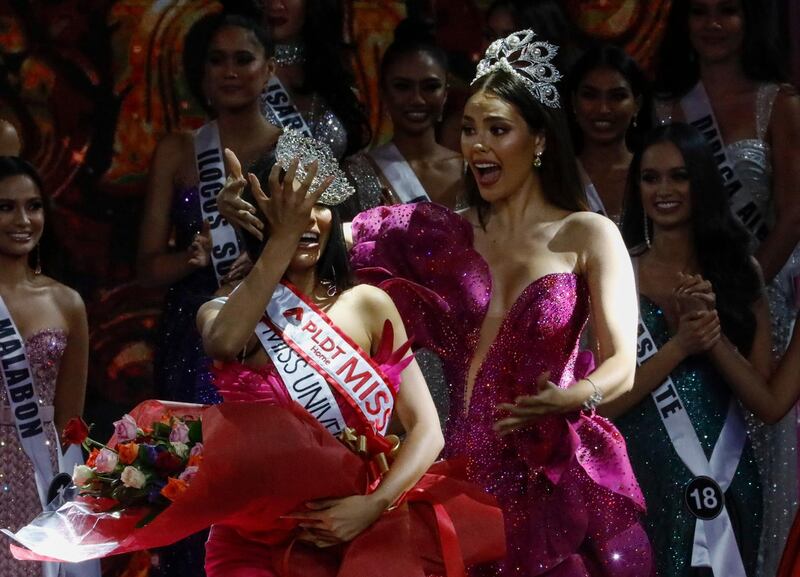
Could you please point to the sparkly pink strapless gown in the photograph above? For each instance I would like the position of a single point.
(19, 499)
(568, 493)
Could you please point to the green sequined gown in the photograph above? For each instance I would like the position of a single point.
(663, 476)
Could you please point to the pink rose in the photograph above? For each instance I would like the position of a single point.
(188, 474)
(196, 450)
(125, 429)
(179, 433)
(106, 461)
(133, 477)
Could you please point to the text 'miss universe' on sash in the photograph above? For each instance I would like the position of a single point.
(312, 356)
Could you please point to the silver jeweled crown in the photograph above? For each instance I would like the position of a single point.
(293, 144)
(288, 54)
(529, 60)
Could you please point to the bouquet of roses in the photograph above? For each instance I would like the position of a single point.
(260, 463)
(148, 466)
(143, 471)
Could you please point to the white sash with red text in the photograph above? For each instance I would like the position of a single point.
(398, 173)
(316, 356)
(279, 102)
(698, 112)
(211, 171)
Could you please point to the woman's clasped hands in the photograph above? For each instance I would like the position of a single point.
(699, 326)
(333, 521)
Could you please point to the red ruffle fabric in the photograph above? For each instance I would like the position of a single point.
(262, 461)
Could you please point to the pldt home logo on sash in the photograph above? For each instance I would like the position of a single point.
(294, 315)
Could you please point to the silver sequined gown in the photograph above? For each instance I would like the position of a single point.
(19, 500)
(370, 191)
(325, 126)
(775, 446)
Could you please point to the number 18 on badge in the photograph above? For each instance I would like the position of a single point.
(704, 498)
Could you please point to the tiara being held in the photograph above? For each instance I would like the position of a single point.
(293, 144)
(529, 60)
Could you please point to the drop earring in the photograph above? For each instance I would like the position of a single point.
(537, 162)
(38, 268)
(646, 229)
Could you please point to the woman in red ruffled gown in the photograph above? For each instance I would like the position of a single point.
(351, 534)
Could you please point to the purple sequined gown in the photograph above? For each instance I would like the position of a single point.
(570, 499)
(181, 369)
(19, 500)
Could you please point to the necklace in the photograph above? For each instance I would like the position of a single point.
(289, 54)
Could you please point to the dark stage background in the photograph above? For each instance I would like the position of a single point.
(93, 84)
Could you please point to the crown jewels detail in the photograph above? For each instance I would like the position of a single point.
(529, 60)
(293, 144)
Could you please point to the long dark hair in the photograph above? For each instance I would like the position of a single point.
(721, 243)
(614, 58)
(327, 71)
(15, 166)
(333, 266)
(410, 37)
(198, 42)
(763, 59)
(560, 182)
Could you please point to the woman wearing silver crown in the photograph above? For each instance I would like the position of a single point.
(501, 293)
(295, 334)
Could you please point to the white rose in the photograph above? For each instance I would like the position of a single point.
(81, 474)
(133, 477)
(181, 449)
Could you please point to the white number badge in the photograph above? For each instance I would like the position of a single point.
(704, 498)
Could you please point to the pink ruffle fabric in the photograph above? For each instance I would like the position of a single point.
(571, 501)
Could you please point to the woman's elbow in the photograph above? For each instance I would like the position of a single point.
(430, 436)
(625, 377)
(145, 270)
(437, 440)
(220, 351)
(627, 382)
(218, 346)
(770, 415)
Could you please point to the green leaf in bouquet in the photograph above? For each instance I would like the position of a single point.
(129, 496)
(161, 431)
(195, 430)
